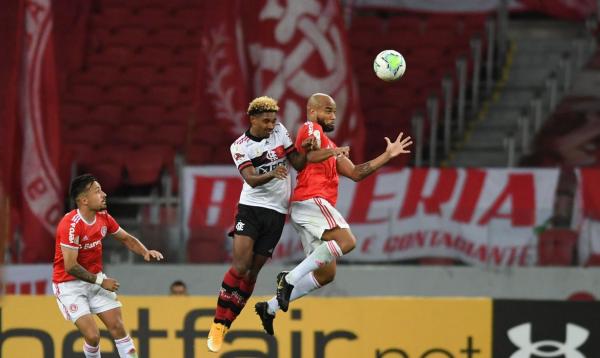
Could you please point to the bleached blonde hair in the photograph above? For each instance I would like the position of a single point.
(261, 105)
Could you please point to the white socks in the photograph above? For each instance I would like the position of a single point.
(91, 351)
(126, 348)
(306, 285)
(322, 255)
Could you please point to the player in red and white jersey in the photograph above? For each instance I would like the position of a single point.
(80, 286)
(324, 233)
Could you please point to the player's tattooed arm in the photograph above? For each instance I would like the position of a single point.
(358, 172)
(78, 271)
(73, 268)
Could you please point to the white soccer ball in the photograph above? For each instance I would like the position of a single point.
(389, 65)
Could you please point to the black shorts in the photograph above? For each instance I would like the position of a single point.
(263, 225)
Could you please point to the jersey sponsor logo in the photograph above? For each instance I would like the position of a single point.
(239, 226)
(103, 231)
(91, 245)
(72, 238)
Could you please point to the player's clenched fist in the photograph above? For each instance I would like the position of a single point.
(110, 284)
(280, 172)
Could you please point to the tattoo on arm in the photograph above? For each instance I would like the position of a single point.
(364, 169)
(81, 273)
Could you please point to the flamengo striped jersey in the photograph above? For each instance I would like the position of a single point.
(265, 154)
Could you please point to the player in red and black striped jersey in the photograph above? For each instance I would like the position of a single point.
(262, 154)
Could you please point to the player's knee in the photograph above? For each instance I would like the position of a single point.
(92, 338)
(347, 243)
(117, 330)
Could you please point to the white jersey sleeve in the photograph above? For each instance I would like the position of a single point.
(239, 155)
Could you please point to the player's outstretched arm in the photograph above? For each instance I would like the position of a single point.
(253, 179)
(136, 246)
(358, 172)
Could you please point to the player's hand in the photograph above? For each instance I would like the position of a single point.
(399, 146)
(110, 284)
(280, 172)
(342, 151)
(309, 144)
(153, 254)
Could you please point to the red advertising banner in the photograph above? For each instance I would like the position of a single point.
(480, 216)
(42, 204)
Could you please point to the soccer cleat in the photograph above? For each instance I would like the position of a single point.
(266, 318)
(284, 291)
(215, 336)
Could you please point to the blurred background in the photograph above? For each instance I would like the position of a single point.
(500, 196)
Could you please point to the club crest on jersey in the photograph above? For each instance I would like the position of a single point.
(73, 308)
(272, 156)
(103, 231)
(239, 226)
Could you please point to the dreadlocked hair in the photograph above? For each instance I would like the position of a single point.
(261, 105)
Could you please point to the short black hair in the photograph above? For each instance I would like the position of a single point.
(178, 283)
(80, 184)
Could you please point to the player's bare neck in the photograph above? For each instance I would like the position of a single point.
(88, 216)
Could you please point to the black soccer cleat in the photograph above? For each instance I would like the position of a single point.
(284, 291)
(261, 309)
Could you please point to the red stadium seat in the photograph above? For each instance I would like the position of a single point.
(132, 134)
(143, 75)
(144, 165)
(155, 16)
(174, 135)
(130, 36)
(109, 175)
(73, 112)
(556, 247)
(181, 75)
(108, 114)
(155, 55)
(169, 36)
(86, 133)
(198, 154)
(149, 114)
(113, 56)
(165, 93)
(126, 94)
(85, 93)
(99, 75)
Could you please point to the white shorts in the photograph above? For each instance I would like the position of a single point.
(311, 218)
(77, 298)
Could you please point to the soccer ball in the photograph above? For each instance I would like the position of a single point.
(389, 65)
